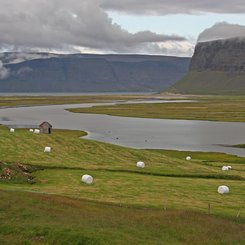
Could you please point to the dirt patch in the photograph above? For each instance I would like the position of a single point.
(16, 172)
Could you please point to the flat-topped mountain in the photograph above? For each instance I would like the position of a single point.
(89, 73)
(217, 67)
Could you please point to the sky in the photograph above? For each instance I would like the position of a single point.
(157, 27)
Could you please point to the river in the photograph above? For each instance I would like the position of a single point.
(190, 135)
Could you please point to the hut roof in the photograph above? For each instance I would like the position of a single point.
(45, 124)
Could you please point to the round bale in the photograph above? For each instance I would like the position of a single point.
(47, 149)
(140, 164)
(225, 168)
(188, 158)
(223, 189)
(87, 179)
(31, 130)
(12, 130)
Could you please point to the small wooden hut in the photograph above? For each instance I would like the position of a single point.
(45, 128)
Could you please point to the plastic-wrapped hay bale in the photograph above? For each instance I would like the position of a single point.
(140, 164)
(12, 130)
(47, 149)
(223, 189)
(225, 168)
(36, 131)
(230, 167)
(31, 130)
(188, 158)
(87, 179)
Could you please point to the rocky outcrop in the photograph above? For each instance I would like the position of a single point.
(226, 56)
(217, 67)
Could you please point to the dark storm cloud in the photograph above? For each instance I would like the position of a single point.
(163, 7)
(222, 30)
(62, 24)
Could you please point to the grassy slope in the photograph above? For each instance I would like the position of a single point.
(140, 190)
(220, 108)
(210, 82)
(165, 181)
(69, 151)
(29, 217)
(43, 219)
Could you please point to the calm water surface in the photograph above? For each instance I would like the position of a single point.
(134, 132)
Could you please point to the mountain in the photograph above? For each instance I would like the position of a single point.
(89, 73)
(217, 67)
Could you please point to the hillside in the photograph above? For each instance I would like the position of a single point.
(217, 67)
(91, 73)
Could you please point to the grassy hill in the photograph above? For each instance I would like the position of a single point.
(124, 204)
(210, 83)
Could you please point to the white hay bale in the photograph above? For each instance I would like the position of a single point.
(223, 189)
(36, 131)
(225, 168)
(31, 130)
(12, 130)
(140, 164)
(87, 179)
(188, 158)
(230, 167)
(47, 149)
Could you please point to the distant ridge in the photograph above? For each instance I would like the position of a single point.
(217, 67)
(90, 73)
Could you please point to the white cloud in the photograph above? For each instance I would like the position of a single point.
(84, 26)
(4, 72)
(222, 30)
(34, 25)
(14, 58)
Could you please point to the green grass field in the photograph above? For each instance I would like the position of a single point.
(165, 203)
(210, 82)
(215, 108)
(29, 218)
(11, 101)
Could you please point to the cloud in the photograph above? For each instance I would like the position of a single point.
(160, 7)
(4, 72)
(41, 25)
(171, 48)
(14, 58)
(222, 30)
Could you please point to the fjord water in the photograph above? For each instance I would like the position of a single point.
(188, 135)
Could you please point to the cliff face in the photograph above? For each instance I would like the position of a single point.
(93, 73)
(226, 56)
(217, 67)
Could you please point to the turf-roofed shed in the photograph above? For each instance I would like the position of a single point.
(45, 128)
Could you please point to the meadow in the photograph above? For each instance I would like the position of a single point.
(171, 201)
(12, 101)
(30, 218)
(211, 108)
